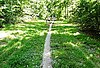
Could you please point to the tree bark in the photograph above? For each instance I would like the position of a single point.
(65, 11)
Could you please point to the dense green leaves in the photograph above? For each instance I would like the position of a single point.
(11, 10)
(14, 10)
(88, 14)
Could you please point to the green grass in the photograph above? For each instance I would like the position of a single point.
(23, 48)
(72, 49)
(26, 48)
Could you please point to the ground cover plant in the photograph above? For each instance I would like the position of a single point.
(73, 49)
(73, 45)
(23, 47)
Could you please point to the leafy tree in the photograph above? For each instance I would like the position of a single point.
(12, 10)
(88, 14)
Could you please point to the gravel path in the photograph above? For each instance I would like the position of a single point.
(47, 53)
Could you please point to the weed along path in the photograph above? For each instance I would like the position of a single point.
(47, 53)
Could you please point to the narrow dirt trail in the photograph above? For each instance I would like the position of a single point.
(47, 53)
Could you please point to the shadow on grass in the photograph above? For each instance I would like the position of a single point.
(71, 49)
(25, 26)
(25, 50)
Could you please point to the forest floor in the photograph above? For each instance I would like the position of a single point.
(22, 45)
(72, 48)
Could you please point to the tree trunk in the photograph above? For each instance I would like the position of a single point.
(65, 12)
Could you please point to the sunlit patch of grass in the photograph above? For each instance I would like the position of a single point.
(25, 50)
(72, 49)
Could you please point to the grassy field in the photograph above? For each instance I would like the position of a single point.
(22, 47)
(73, 49)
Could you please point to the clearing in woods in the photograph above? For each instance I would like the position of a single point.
(23, 45)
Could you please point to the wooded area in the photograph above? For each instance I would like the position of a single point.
(75, 39)
(84, 12)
